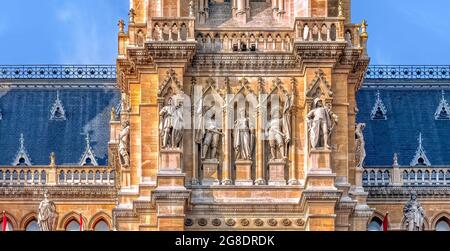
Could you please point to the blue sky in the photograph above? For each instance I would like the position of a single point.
(85, 31)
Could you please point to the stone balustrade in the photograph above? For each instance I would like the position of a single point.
(62, 175)
(223, 41)
(408, 176)
(171, 29)
(313, 29)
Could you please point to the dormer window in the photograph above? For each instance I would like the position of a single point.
(22, 158)
(379, 111)
(443, 109)
(420, 158)
(88, 158)
(57, 112)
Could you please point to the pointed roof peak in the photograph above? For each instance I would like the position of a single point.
(379, 110)
(57, 111)
(22, 157)
(88, 157)
(420, 157)
(443, 109)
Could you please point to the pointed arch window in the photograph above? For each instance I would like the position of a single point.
(375, 225)
(32, 226)
(443, 224)
(22, 158)
(101, 225)
(88, 158)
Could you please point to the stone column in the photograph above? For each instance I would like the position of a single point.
(226, 144)
(259, 148)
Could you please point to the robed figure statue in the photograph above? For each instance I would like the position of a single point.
(208, 134)
(172, 125)
(414, 214)
(47, 214)
(243, 141)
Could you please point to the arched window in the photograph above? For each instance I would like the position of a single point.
(73, 225)
(443, 224)
(105, 175)
(372, 176)
(83, 175)
(76, 175)
(9, 226)
(447, 176)
(43, 177)
(433, 176)
(101, 225)
(15, 175)
(62, 175)
(420, 175)
(90, 175)
(379, 176)
(405, 175)
(36, 177)
(441, 176)
(97, 175)
(22, 175)
(365, 176)
(375, 225)
(32, 226)
(1, 174)
(29, 176)
(412, 176)
(427, 175)
(386, 176)
(111, 175)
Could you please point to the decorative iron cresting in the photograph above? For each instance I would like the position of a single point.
(57, 71)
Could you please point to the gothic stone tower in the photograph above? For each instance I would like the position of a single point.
(243, 171)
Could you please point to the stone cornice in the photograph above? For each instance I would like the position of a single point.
(60, 193)
(382, 193)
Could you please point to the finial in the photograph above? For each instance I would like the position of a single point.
(395, 159)
(88, 141)
(53, 159)
(191, 9)
(364, 26)
(340, 9)
(121, 26)
(131, 15)
(22, 141)
(113, 114)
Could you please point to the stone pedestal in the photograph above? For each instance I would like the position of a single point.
(276, 172)
(210, 172)
(319, 162)
(170, 161)
(244, 173)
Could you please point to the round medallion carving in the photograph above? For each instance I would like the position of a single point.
(286, 222)
(300, 222)
(272, 222)
(230, 222)
(259, 223)
(188, 222)
(216, 222)
(245, 222)
(202, 222)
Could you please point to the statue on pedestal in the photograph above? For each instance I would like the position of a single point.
(47, 214)
(321, 122)
(279, 132)
(124, 139)
(172, 125)
(209, 134)
(360, 145)
(414, 214)
(243, 139)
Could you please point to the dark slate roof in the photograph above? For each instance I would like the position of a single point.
(26, 109)
(411, 106)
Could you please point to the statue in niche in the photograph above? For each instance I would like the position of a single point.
(321, 122)
(414, 214)
(124, 139)
(360, 145)
(172, 124)
(279, 131)
(243, 138)
(47, 214)
(209, 134)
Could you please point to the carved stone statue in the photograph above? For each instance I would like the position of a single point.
(243, 139)
(279, 131)
(209, 134)
(47, 214)
(191, 8)
(321, 122)
(414, 214)
(360, 145)
(124, 139)
(172, 125)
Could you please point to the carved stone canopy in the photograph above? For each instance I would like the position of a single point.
(319, 87)
(171, 82)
